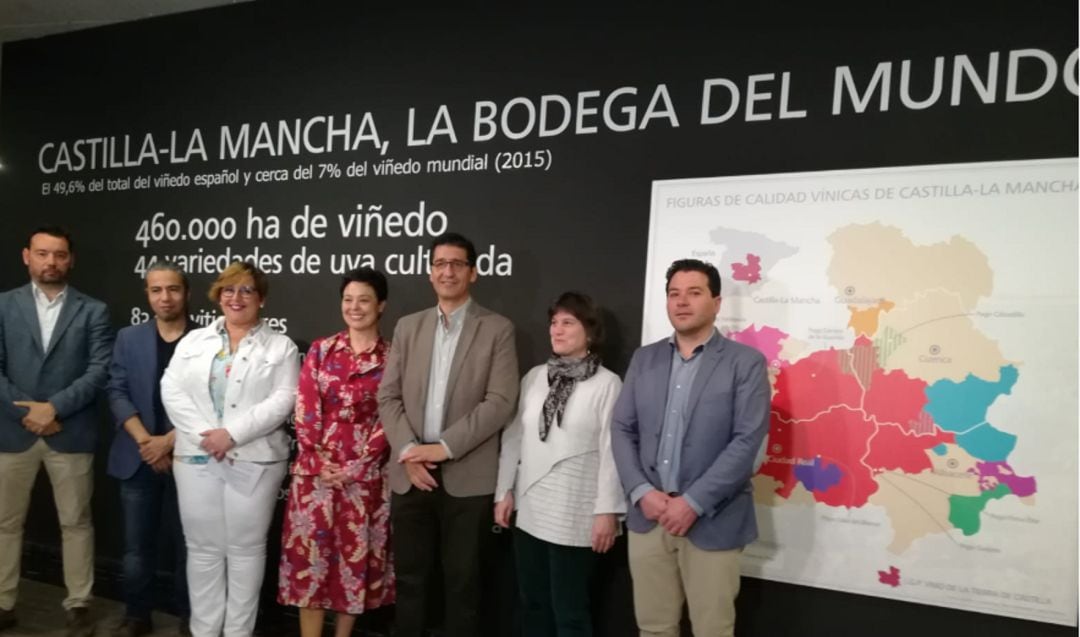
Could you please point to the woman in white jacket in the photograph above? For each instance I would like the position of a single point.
(556, 468)
(228, 391)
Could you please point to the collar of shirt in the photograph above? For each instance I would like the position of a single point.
(697, 350)
(224, 333)
(252, 332)
(43, 299)
(452, 322)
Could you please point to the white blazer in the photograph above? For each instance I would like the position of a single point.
(260, 395)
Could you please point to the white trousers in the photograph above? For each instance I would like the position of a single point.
(225, 532)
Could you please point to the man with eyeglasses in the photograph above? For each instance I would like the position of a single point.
(450, 385)
(141, 453)
(54, 355)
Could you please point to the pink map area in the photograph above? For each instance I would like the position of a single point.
(1020, 486)
(765, 339)
(890, 577)
(750, 272)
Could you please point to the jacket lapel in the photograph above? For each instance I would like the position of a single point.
(25, 300)
(661, 374)
(710, 358)
(468, 334)
(149, 346)
(425, 344)
(72, 304)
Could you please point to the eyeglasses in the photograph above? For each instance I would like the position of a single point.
(246, 291)
(453, 264)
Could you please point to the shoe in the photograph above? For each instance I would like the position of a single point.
(79, 622)
(133, 628)
(7, 619)
(184, 627)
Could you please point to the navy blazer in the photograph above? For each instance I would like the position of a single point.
(133, 378)
(728, 414)
(68, 375)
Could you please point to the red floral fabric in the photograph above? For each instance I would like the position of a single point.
(335, 543)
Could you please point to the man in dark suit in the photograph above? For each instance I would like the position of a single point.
(450, 386)
(141, 453)
(686, 429)
(54, 356)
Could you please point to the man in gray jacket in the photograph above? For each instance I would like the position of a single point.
(687, 426)
(55, 344)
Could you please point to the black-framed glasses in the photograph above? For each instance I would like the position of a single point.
(453, 264)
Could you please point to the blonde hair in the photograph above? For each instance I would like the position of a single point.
(236, 271)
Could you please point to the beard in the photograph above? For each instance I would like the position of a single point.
(52, 275)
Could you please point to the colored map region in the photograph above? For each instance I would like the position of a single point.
(850, 426)
(749, 272)
(890, 577)
(921, 352)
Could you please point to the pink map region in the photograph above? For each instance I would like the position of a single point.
(764, 339)
(750, 272)
(1020, 486)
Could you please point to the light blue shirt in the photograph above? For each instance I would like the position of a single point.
(676, 416)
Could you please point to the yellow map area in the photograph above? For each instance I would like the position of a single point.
(921, 324)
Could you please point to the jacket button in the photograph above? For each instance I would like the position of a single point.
(233, 406)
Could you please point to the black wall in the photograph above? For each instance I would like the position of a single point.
(579, 221)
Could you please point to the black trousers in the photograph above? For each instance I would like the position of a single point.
(434, 528)
(554, 582)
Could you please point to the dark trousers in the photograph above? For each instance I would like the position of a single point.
(554, 582)
(148, 501)
(433, 528)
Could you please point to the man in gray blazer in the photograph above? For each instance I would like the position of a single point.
(54, 355)
(450, 386)
(687, 426)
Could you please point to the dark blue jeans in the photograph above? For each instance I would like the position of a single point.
(151, 513)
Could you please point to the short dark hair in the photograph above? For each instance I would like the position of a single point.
(59, 232)
(168, 266)
(582, 307)
(695, 265)
(236, 271)
(369, 276)
(458, 241)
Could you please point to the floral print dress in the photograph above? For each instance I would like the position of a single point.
(335, 551)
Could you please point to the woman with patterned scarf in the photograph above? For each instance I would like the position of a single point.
(556, 469)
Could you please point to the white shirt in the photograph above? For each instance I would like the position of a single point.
(561, 483)
(47, 312)
(447, 334)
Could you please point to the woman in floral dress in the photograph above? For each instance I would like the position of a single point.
(335, 543)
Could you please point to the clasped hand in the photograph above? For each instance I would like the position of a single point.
(40, 419)
(673, 513)
(418, 461)
(217, 442)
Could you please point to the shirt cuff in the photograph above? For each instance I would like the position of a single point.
(693, 504)
(449, 454)
(639, 492)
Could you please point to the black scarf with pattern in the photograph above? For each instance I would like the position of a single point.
(563, 375)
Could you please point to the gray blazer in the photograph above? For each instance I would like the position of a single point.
(69, 374)
(481, 394)
(728, 415)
